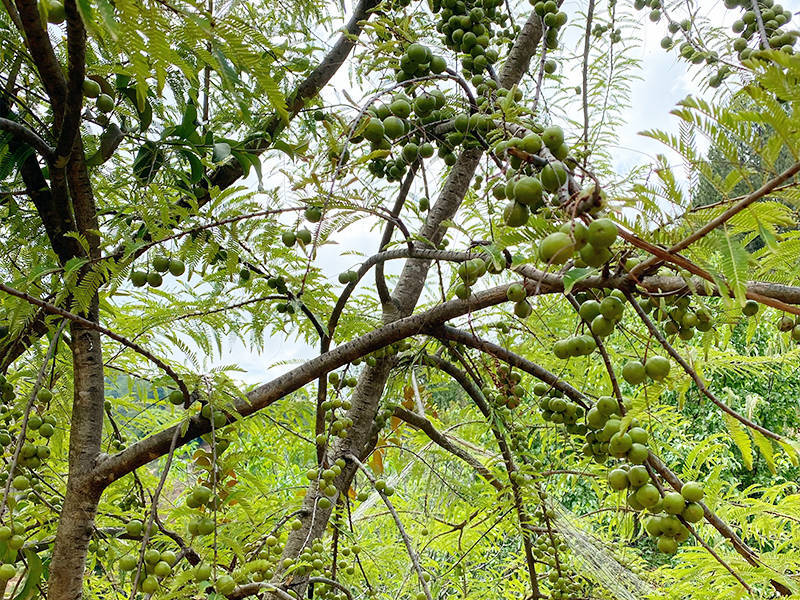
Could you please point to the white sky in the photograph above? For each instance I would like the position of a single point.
(663, 82)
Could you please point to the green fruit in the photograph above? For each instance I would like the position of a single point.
(43, 395)
(418, 53)
(602, 233)
(162, 569)
(304, 235)
(557, 248)
(648, 495)
(20, 482)
(611, 308)
(438, 65)
(553, 175)
(607, 405)
(104, 103)
(394, 127)
(577, 231)
(154, 279)
(149, 585)
(654, 526)
(595, 257)
(128, 562)
(634, 372)
(176, 267)
(516, 214)
(410, 152)
(618, 479)
(138, 278)
(638, 476)
(674, 503)
(7, 571)
(202, 572)
(589, 310)
(91, 89)
(400, 108)
(313, 214)
(553, 137)
(516, 292)
(523, 309)
(657, 367)
(55, 13)
(693, 513)
(288, 238)
(667, 545)
(692, 491)
(531, 143)
(601, 326)
(750, 308)
(152, 556)
(528, 190)
(638, 435)
(638, 454)
(134, 528)
(619, 444)
(161, 264)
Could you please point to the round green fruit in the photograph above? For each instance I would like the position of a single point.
(7, 571)
(674, 503)
(602, 233)
(638, 476)
(618, 479)
(91, 89)
(516, 292)
(693, 513)
(657, 367)
(528, 190)
(138, 278)
(692, 491)
(176, 267)
(394, 127)
(750, 308)
(553, 137)
(154, 279)
(634, 372)
(161, 264)
(104, 103)
(515, 214)
(553, 175)
(557, 248)
(667, 545)
(128, 562)
(589, 310)
(648, 495)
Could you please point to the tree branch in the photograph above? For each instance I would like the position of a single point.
(27, 136)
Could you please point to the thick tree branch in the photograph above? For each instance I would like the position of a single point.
(27, 136)
(443, 442)
(76, 72)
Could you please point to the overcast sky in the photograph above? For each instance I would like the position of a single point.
(663, 82)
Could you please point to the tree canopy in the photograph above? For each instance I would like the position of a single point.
(532, 374)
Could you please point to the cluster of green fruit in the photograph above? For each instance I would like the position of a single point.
(103, 102)
(670, 511)
(601, 316)
(553, 20)
(604, 436)
(788, 324)
(12, 537)
(338, 423)
(555, 408)
(385, 414)
(655, 367)
(392, 349)
(419, 61)
(508, 392)
(470, 271)
(773, 16)
(592, 243)
(680, 317)
(289, 238)
(526, 183)
(599, 30)
(467, 28)
(549, 549)
(349, 276)
(156, 566)
(160, 264)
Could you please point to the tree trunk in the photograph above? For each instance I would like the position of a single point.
(372, 381)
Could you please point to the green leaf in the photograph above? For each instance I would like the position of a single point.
(765, 446)
(106, 11)
(275, 97)
(574, 275)
(29, 589)
(741, 439)
(222, 150)
(734, 262)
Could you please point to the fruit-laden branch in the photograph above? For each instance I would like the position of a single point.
(27, 136)
(406, 540)
(441, 440)
(446, 332)
(765, 189)
(508, 460)
(53, 309)
(693, 374)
